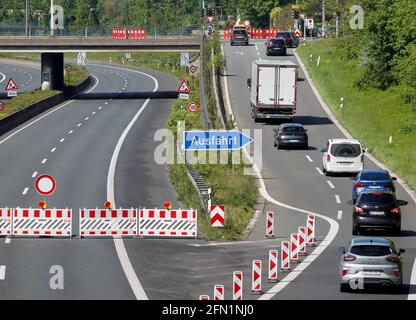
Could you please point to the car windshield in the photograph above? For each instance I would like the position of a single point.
(292, 129)
(371, 250)
(283, 34)
(240, 31)
(374, 176)
(348, 150)
(277, 41)
(379, 198)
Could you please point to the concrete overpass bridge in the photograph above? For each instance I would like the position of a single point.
(52, 49)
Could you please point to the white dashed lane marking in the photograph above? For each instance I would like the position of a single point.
(319, 171)
(34, 174)
(79, 124)
(330, 184)
(44, 161)
(339, 217)
(87, 118)
(62, 140)
(70, 132)
(337, 199)
(2, 272)
(8, 240)
(25, 191)
(53, 150)
(309, 158)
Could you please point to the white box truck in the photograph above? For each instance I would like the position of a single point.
(273, 86)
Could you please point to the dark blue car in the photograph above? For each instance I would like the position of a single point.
(373, 180)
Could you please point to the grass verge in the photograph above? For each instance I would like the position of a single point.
(370, 115)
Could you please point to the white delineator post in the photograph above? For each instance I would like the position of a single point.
(218, 292)
(284, 256)
(256, 277)
(273, 262)
(270, 224)
(237, 285)
(302, 240)
(294, 247)
(310, 230)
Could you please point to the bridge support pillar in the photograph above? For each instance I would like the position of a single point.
(52, 70)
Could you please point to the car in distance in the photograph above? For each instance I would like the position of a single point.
(291, 40)
(342, 156)
(371, 261)
(239, 36)
(373, 180)
(377, 211)
(276, 47)
(290, 135)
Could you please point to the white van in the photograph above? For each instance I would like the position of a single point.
(342, 155)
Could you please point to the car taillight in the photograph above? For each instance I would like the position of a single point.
(358, 210)
(349, 257)
(344, 272)
(392, 259)
(397, 273)
(389, 185)
(269, 46)
(328, 158)
(258, 110)
(395, 210)
(359, 185)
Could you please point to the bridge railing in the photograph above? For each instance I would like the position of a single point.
(105, 32)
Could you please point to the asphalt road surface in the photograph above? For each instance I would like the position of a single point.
(26, 77)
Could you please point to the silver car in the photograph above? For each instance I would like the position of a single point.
(371, 261)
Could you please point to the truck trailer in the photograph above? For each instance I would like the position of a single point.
(273, 86)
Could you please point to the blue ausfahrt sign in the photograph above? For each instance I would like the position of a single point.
(214, 140)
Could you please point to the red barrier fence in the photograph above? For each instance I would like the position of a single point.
(256, 33)
(129, 33)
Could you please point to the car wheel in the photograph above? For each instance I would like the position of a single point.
(306, 147)
(397, 231)
(279, 146)
(275, 144)
(343, 287)
(327, 173)
(267, 53)
(323, 169)
(256, 120)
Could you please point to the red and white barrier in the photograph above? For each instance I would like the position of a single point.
(273, 261)
(310, 230)
(227, 33)
(237, 285)
(204, 297)
(270, 224)
(40, 222)
(168, 223)
(119, 33)
(294, 247)
(105, 222)
(5, 221)
(285, 256)
(136, 34)
(218, 292)
(256, 277)
(302, 240)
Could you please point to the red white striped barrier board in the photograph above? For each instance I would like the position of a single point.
(285, 256)
(39, 222)
(273, 260)
(217, 215)
(294, 247)
(270, 224)
(310, 230)
(204, 297)
(237, 285)
(5, 221)
(302, 240)
(218, 292)
(136, 34)
(119, 33)
(256, 277)
(105, 222)
(168, 223)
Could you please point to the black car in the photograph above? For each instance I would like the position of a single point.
(276, 47)
(377, 211)
(239, 36)
(290, 135)
(291, 40)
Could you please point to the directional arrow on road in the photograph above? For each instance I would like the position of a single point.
(215, 140)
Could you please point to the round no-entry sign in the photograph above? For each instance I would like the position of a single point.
(45, 185)
(193, 107)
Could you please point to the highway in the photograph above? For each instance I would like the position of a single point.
(23, 75)
(294, 177)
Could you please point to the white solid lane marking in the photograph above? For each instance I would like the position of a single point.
(34, 174)
(309, 158)
(334, 226)
(412, 285)
(44, 161)
(319, 171)
(337, 198)
(2, 272)
(25, 191)
(45, 115)
(118, 242)
(62, 140)
(339, 217)
(230, 243)
(53, 150)
(330, 184)
(8, 240)
(70, 132)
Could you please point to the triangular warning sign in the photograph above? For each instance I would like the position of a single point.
(184, 87)
(11, 85)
